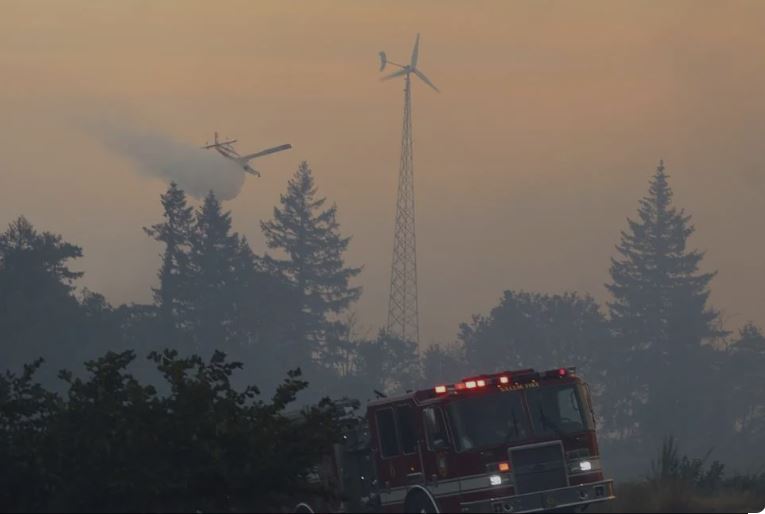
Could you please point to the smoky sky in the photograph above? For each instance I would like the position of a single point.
(551, 118)
(197, 171)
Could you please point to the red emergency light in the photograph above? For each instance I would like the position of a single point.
(560, 373)
(502, 379)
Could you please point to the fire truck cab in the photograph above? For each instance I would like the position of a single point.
(517, 441)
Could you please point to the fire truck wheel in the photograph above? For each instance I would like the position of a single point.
(303, 508)
(419, 502)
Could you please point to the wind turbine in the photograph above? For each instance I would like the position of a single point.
(403, 314)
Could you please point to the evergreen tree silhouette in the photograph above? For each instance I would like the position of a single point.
(215, 262)
(659, 312)
(172, 297)
(311, 241)
(39, 314)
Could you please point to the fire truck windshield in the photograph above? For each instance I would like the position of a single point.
(488, 420)
(557, 410)
(494, 419)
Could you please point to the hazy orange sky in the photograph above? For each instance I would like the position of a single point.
(552, 117)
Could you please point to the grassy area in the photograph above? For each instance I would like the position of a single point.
(681, 484)
(680, 497)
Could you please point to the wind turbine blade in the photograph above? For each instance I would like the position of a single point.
(415, 51)
(394, 75)
(425, 79)
(383, 60)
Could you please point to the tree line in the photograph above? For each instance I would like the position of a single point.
(657, 355)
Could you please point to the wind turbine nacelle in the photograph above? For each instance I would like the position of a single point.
(383, 60)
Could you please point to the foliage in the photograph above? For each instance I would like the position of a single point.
(671, 466)
(310, 239)
(678, 483)
(659, 297)
(742, 404)
(649, 365)
(660, 315)
(443, 364)
(174, 294)
(114, 444)
(389, 364)
(39, 313)
(536, 330)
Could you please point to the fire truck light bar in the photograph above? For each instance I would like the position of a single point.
(474, 383)
(560, 373)
(503, 379)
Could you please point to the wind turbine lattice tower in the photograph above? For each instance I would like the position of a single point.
(403, 313)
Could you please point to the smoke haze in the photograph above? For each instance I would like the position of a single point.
(195, 170)
(551, 118)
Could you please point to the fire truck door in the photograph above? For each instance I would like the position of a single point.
(437, 452)
(398, 461)
(410, 433)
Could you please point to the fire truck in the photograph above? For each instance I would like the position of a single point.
(520, 441)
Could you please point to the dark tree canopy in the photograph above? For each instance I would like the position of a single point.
(743, 400)
(216, 261)
(39, 258)
(114, 444)
(310, 239)
(661, 317)
(659, 296)
(532, 330)
(185, 432)
(389, 364)
(39, 314)
(173, 295)
(442, 364)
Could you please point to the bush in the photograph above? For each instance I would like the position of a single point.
(678, 483)
(113, 444)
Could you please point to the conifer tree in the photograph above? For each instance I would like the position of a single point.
(659, 297)
(175, 232)
(659, 310)
(265, 315)
(39, 313)
(311, 241)
(215, 262)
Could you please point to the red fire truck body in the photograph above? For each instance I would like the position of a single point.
(520, 441)
(509, 442)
